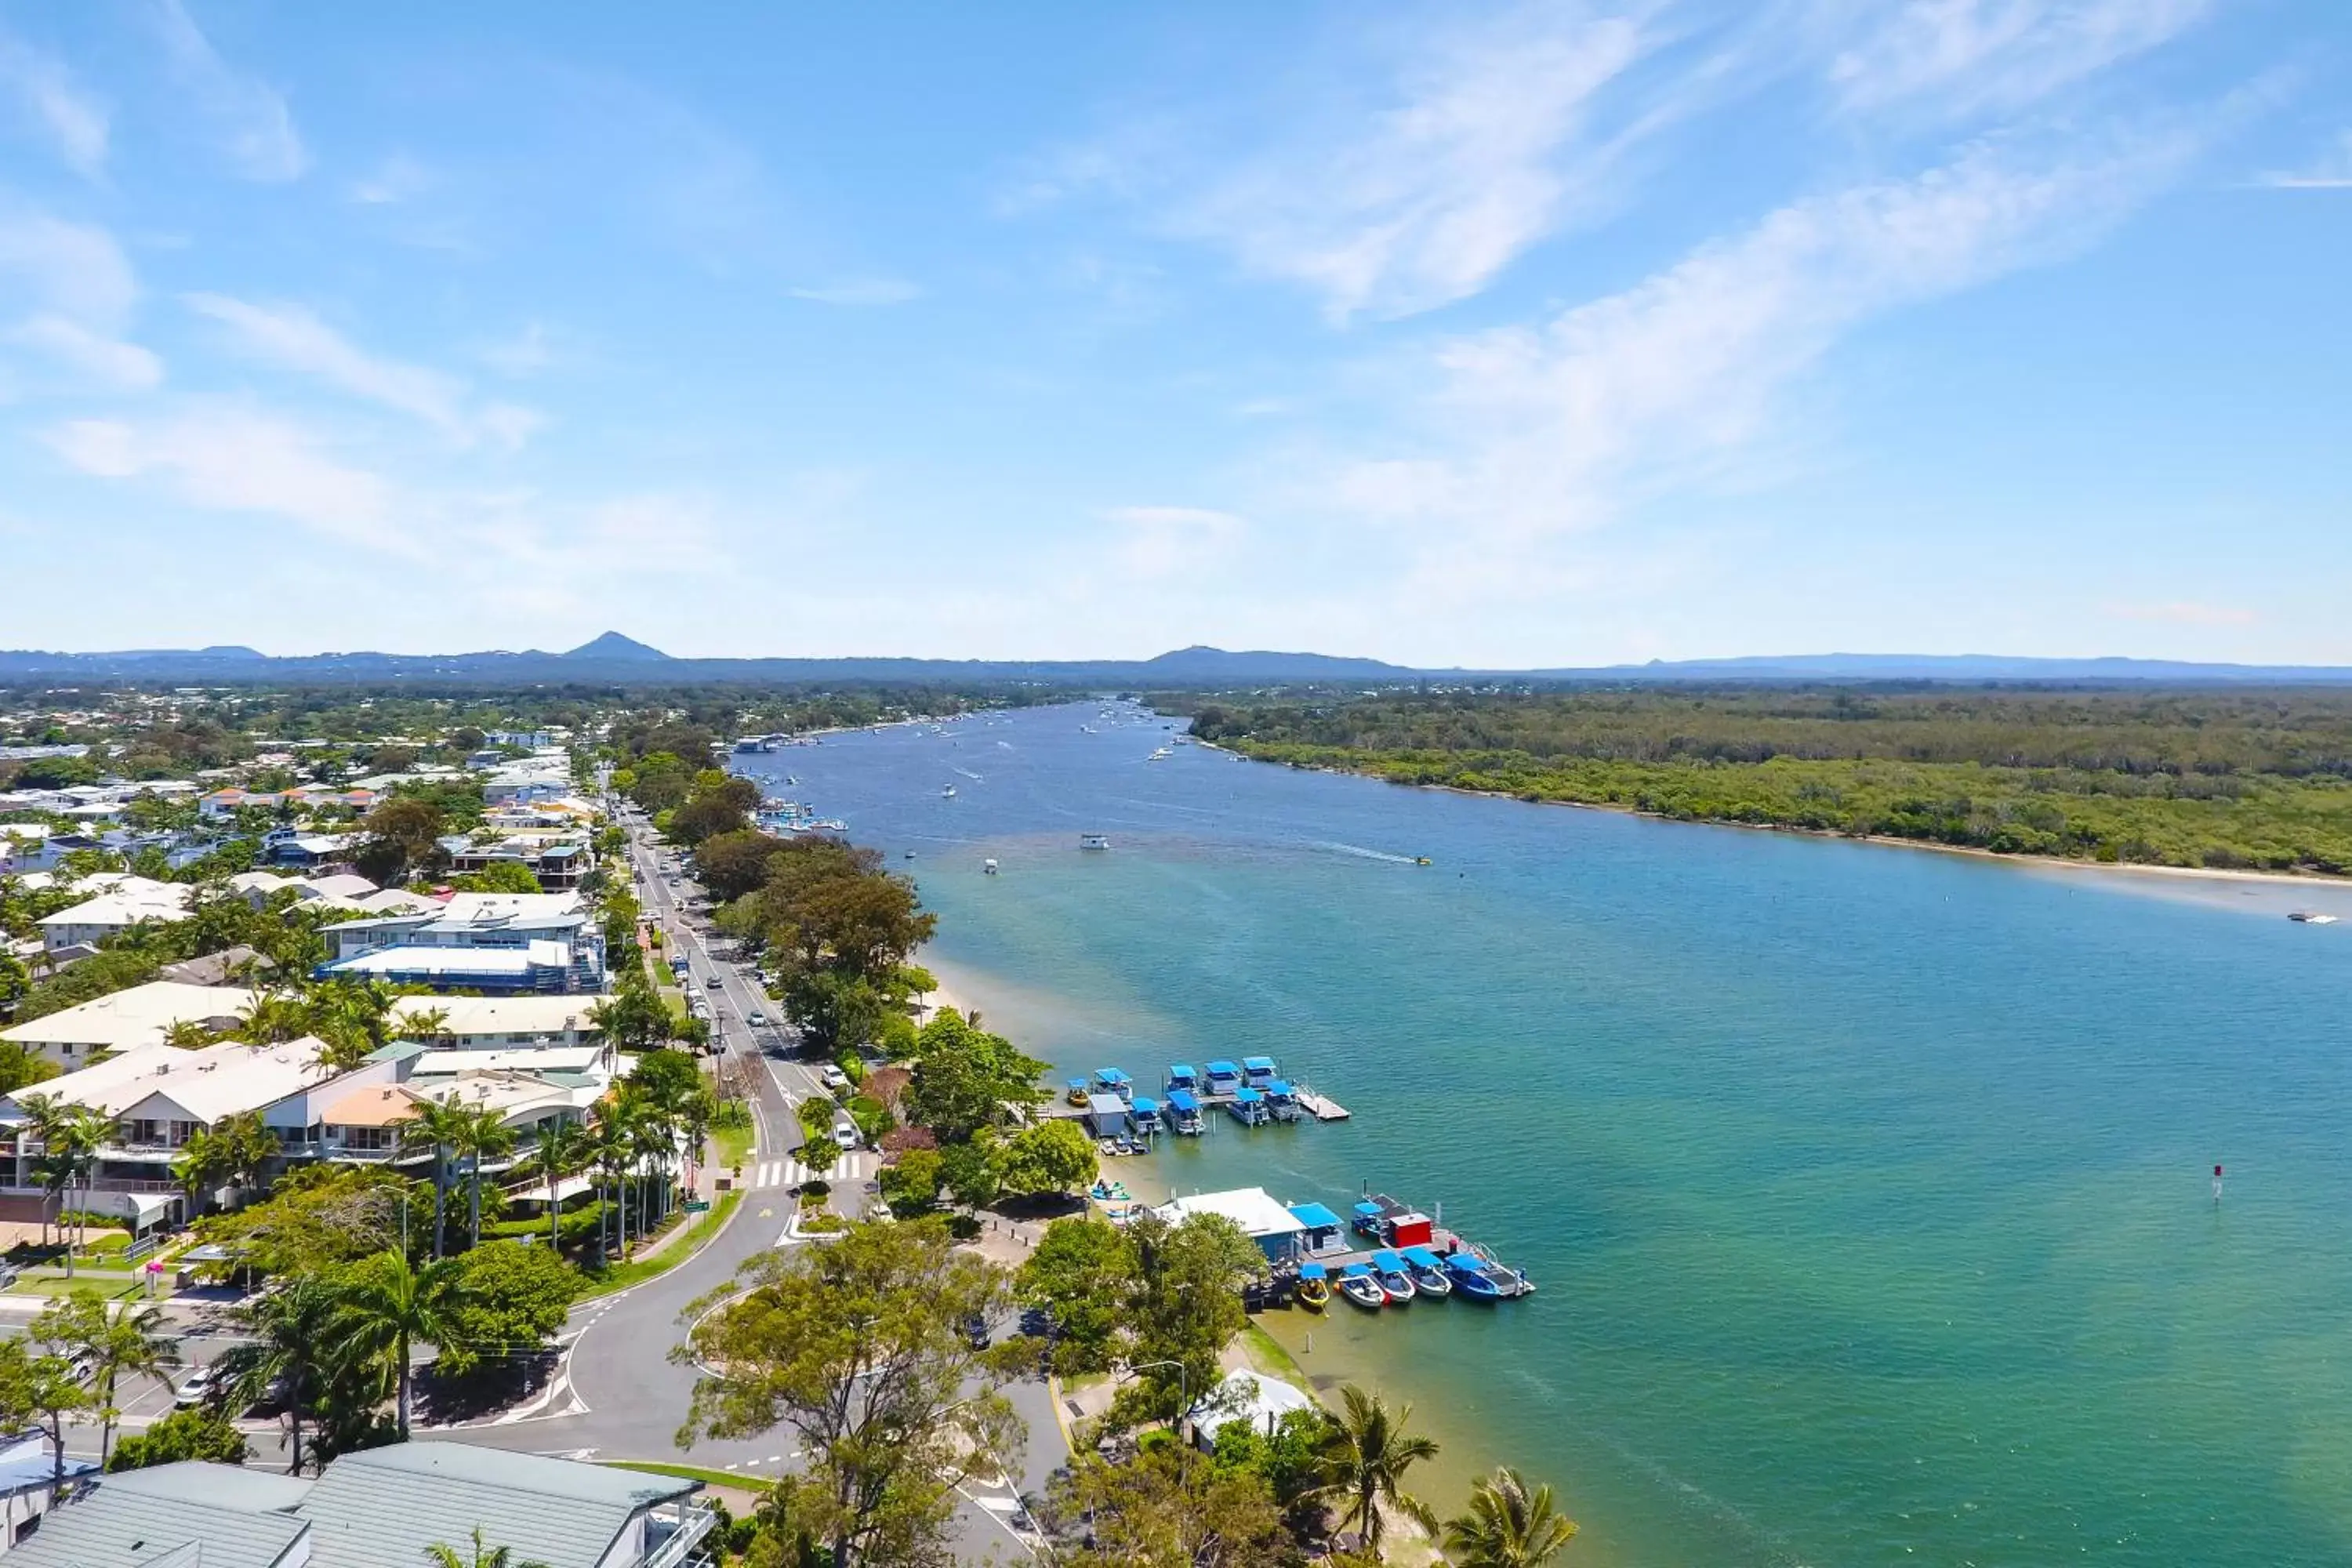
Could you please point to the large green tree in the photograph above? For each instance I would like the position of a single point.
(112, 1344)
(1374, 1453)
(385, 1307)
(1083, 1276)
(1509, 1524)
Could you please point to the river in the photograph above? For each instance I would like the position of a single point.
(1868, 1189)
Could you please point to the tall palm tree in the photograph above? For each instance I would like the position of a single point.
(248, 1144)
(131, 1341)
(45, 1112)
(1509, 1524)
(385, 1307)
(610, 1143)
(559, 1148)
(487, 1138)
(442, 1556)
(203, 1163)
(71, 1138)
(440, 1125)
(1373, 1451)
(291, 1332)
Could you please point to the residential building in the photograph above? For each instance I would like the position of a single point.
(26, 847)
(487, 1023)
(1274, 1228)
(559, 858)
(28, 1470)
(493, 942)
(377, 1508)
(342, 889)
(544, 775)
(309, 850)
(129, 901)
(127, 1020)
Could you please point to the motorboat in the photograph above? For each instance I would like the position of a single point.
(1428, 1271)
(988, 867)
(947, 793)
(1388, 1273)
(1356, 1284)
(1183, 1113)
(1094, 840)
(1470, 1279)
(1076, 1091)
(2312, 918)
(1313, 1289)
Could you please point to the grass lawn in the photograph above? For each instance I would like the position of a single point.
(691, 1473)
(621, 1276)
(1266, 1355)
(733, 1143)
(113, 1287)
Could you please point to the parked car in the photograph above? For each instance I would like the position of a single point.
(832, 1077)
(197, 1388)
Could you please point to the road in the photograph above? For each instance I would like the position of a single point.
(619, 1396)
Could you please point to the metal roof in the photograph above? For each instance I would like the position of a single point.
(120, 1529)
(217, 1486)
(382, 1508)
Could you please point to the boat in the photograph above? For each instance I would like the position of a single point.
(1224, 1078)
(1428, 1271)
(1478, 1275)
(1356, 1284)
(1282, 1102)
(1183, 1113)
(988, 867)
(1109, 1191)
(1391, 1223)
(2312, 918)
(1422, 860)
(1184, 1075)
(947, 793)
(1147, 1117)
(1076, 1094)
(1389, 1270)
(1162, 755)
(1313, 1289)
(1247, 1107)
(1258, 1071)
(1113, 1080)
(1470, 1280)
(1094, 840)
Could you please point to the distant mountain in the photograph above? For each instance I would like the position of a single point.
(614, 646)
(613, 659)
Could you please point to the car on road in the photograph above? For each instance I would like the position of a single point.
(712, 983)
(846, 1134)
(832, 1077)
(756, 1018)
(196, 1389)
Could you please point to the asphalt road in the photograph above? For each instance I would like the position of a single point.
(619, 1396)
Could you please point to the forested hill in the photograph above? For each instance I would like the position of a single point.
(2250, 779)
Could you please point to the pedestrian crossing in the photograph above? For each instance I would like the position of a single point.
(857, 1165)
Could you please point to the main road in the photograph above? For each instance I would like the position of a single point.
(617, 1395)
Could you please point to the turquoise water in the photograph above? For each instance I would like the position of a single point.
(1867, 1189)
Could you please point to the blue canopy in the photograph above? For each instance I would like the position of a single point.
(1388, 1262)
(1279, 1088)
(1356, 1268)
(1258, 1064)
(1223, 1069)
(1370, 1210)
(1247, 1095)
(1180, 1100)
(1312, 1271)
(1109, 1074)
(1314, 1216)
(1146, 1106)
(1181, 1072)
(1078, 1083)
(1423, 1258)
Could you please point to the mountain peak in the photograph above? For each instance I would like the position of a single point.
(614, 646)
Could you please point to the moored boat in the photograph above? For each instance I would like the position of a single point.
(1356, 1284)
(1183, 1113)
(1388, 1270)
(1428, 1271)
(1313, 1286)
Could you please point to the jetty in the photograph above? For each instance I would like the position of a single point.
(1321, 1107)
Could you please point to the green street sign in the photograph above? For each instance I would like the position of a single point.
(695, 1205)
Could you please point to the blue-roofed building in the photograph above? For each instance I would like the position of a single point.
(1108, 1116)
(1321, 1230)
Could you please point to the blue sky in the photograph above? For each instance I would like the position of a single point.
(1500, 335)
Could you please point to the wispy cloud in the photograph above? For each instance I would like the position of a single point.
(250, 119)
(1537, 431)
(233, 460)
(860, 291)
(2331, 171)
(107, 362)
(2186, 613)
(398, 179)
(528, 352)
(54, 103)
(1161, 542)
(293, 338)
(79, 292)
(1967, 55)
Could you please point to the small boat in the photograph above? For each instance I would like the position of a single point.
(910, 855)
(1258, 1071)
(2312, 918)
(1094, 840)
(1076, 1094)
(1388, 1270)
(1422, 860)
(1114, 1080)
(1282, 1102)
(1470, 1280)
(1247, 1107)
(1183, 1113)
(1356, 1284)
(1313, 1291)
(988, 867)
(1428, 1271)
(1109, 1191)
(1224, 1077)
(947, 793)
(1184, 1075)
(1147, 1118)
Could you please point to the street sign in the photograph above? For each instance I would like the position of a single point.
(695, 1205)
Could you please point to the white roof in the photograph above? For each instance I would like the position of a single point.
(217, 1081)
(393, 901)
(133, 899)
(505, 1014)
(518, 1059)
(1245, 1396)
(444, 961)
(137, 1016)
(1252, 1208)
(507, 908)
(344, 885)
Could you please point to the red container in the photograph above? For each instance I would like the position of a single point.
(1410, 1230)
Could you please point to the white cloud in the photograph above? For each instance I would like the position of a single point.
(69, 268)
(292, 337)
(106, 360)
(1972, 54)
(255, 127)
(399, 178)
(1538, 431)
(1158, 541)
(2331, 171)
(54, 102)
(861, 291)
(232, 459)
(1424, 198)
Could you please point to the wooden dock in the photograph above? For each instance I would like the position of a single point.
(1321, 1107)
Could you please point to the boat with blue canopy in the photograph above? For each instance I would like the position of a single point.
(1146, 1111)
(1246, 1107)
(1077, 1091)
(1428, 1271)
(1356, 1284)
(1114, 1080)
(1224, 1077)
(1282, 1102)
(1184, 1076)
(1184, 1115)
(1388, 1270)
(1479, 1278)
(1257, 1071)
(1313, 1286)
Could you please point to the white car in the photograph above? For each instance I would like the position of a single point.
(195, 1390)
(832, 1077)
(757, 1020)
(846, 1134)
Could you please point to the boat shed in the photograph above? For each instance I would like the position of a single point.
(1107, 1116)
(1322, 1231)
(1274, 1228)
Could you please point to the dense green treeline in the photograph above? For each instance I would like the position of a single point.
(2257, 779)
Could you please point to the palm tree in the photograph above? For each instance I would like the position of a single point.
(204, 1161)
(45, 1113)
(484, 1556)
(440, 1125)
(560, 1147)
(187, 1035)
(131, 1341)
(1508, 1525)
(610, 1143)
(1373, 1451)
(291, 1330)
(426, 1024)
(271, 1018)
(488, 1137)
(72, 1137)
(247, 1145)
(385, 1307)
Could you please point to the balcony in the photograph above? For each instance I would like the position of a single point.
(673, 1530)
